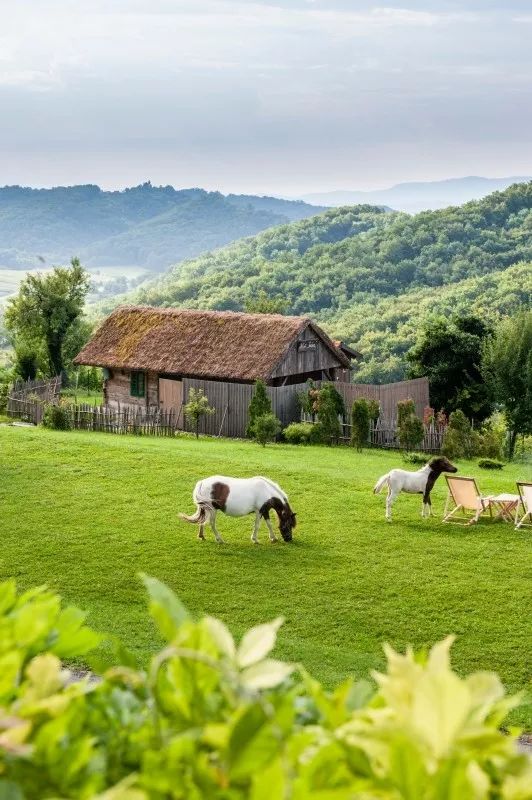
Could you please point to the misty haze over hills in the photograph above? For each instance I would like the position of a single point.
(419, 195)
(143, 226)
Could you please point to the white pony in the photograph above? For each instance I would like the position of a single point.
(420, 482)
(238, 497)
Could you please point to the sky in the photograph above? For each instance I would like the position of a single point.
(279, 97)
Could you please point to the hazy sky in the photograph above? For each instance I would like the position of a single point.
(279, 97)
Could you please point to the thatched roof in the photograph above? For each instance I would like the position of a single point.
(204, 344)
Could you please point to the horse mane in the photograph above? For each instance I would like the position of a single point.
(274, 486)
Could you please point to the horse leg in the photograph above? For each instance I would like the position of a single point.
(389, 500)
(273, 537)
(212, 522)
(201, 532)
(254, 535)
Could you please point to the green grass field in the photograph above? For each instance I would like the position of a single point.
(85, 512)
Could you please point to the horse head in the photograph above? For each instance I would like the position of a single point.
(441, 464)
(287, 522)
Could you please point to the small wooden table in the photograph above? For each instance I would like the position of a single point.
(505, 504)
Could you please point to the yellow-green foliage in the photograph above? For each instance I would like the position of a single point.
(210, 718)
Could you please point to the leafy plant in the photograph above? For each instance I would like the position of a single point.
(459, 440)
(298, 432)
(213, 718)
(4, 392)
(47, 308)
(328, 405)
(57, 417)
(374, 409)
(490, 463)
(196, 408)
(360, 418)
(416, 458)
(259, 406)
(266, 428)
(507, 368)
(409, 426)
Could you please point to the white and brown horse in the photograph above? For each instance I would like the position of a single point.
(238, 497)
(419, 482)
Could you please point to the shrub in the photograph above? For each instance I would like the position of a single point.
(360, 417)
(213, 718)
(196, 408)
(410, 427)
(459, 439)
(266, 428)
(298, 432)
(329, 406)
(416, 458)
(4, 391)
(374, 409)
(57, 417)
(259, 406)
(317, 434)
(490, 463)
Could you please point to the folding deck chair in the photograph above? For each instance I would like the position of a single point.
(465, 495)
(525, 494)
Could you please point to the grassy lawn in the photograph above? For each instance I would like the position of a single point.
(85, 512)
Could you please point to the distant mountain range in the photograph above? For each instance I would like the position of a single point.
(144, 226)
(418, 196)
(371, 278)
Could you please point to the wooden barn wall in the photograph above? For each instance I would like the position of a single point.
(231, 402)
(117, 390)
(298, 361)
(388, 395)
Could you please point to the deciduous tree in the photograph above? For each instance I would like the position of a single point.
(47, 308)
(507, 368)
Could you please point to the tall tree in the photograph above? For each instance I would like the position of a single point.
(507, 367)
(449, 354)
(46, 309)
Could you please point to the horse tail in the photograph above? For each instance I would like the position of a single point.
(200, 517)
(381, 482)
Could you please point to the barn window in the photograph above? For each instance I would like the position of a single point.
(308, 344)
(137, 384)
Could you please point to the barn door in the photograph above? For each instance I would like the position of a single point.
(171, 396)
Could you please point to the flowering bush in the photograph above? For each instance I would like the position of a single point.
(210, 718)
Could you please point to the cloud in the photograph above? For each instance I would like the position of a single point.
(211, 83)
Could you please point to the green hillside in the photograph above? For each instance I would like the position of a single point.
(386, 329)
(144, 226)
(371, 277)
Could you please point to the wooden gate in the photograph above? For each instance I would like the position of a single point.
(171, 396)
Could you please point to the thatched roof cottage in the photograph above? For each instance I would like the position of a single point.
(146, 352)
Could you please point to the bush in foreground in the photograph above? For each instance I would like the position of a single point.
(212, 719)
(490, 463)
(298, 432)
(56, 417)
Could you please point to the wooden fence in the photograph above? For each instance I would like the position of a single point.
(231, 403)
(384, 433)
(26, 399)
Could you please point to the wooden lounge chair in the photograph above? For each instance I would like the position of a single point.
(465, 496)
(525, 493)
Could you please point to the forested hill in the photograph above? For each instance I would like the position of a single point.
(355, 267)
(144, 226)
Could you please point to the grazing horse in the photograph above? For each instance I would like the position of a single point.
(420, 482)
(238, 497)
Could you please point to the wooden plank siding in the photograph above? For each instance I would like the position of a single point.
(388, 395)
(307, 356)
